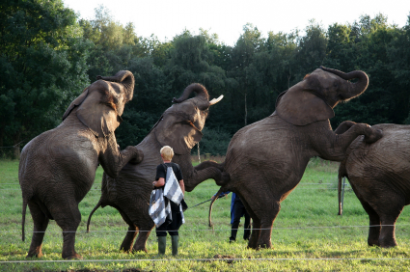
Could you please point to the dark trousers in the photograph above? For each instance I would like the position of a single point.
(239, 211)
(173, 226)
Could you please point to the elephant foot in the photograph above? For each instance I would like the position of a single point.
(265, 246)
(36, 253)
(373, 242)
(75, 256)
(388, 244)
(374, 137)
(252, 245)
(125, 250)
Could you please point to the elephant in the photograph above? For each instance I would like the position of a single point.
(57, 168)
(380, 177)
(180, 127)
(266, 160)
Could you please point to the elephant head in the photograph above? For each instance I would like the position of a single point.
(181, 125)
(314, 98)
(101, 105)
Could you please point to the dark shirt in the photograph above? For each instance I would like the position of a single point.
(161, 171)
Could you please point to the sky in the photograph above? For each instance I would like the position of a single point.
(167, 18)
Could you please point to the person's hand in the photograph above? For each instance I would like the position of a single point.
(153, 183)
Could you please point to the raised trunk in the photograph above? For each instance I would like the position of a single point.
(353, 89)
(202, 95)
(126, 78)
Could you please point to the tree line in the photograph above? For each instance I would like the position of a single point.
(49, 55)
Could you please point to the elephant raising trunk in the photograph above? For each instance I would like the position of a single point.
(202, 96)
(126, 78)
(266, 160)
(353, 89)
(199, 89)
(180, 127)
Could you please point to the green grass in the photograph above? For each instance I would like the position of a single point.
(307, 234)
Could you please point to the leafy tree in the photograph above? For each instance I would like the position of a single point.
(243, 54)
(311, 50)
(399, 64)
(43, 61)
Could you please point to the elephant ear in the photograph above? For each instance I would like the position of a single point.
(77, 102)
(181, 136)
(301, 107)
(98, 114)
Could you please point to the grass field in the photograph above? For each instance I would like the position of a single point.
(307, 234)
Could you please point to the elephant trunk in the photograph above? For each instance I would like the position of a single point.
(201, 92)
(353, 89)
(126, 78)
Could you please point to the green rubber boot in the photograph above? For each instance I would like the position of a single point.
(174, 240)
(162, 244)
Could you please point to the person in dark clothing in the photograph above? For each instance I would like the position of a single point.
(171, 225)
(237, 211)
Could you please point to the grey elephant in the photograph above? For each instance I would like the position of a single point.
(265, 161)
(57, 168)
(180, 127)
(380, 177)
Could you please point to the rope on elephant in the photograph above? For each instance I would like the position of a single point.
(205, 260)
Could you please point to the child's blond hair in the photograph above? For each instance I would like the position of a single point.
(167, 153)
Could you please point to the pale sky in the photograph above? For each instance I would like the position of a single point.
(167, 18)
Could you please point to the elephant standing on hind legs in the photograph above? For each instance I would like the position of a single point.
(57, 168)
(266, 160)
(180, 127)
(380, 177)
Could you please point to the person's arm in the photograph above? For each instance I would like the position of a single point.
(159, 183)
(160, 177)
(182, 185)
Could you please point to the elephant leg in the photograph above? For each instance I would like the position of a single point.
(267, 224)
(263, 218)
(387, 236)
(140, 244)
(129, 238)
(40, 225)
(253, 241)
(68, 218)
(374, 224)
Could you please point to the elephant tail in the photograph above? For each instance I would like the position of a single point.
(342, 174)
(23, 221)
(91, 214)
(210, 207)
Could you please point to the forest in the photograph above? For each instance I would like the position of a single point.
(48, 55)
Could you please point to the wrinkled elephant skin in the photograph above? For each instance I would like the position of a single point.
(379, 174)
(266, 160)
(57, 168)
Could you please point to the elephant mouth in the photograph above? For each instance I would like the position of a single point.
(193, 125)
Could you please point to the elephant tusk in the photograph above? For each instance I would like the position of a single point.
(216, 100)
